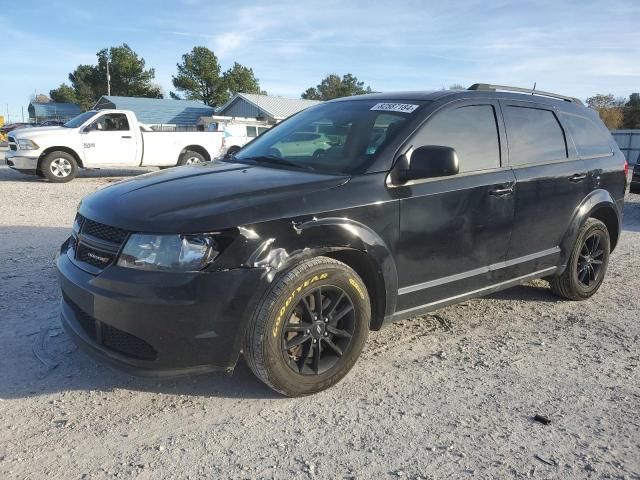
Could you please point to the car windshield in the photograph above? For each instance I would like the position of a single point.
(336, 137)
(75, 122)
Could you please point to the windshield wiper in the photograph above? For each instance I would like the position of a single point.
(276, 161)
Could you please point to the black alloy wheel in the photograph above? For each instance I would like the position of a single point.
(591, 259)
(308, 329)
(587, 263)
(319, 330)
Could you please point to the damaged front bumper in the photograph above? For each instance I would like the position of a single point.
(159, 323)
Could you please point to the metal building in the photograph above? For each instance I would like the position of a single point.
(263, 107)
(629, 143)
(160, 113)
(40, 112)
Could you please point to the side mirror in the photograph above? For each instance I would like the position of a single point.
(91, 127)
(430, 161)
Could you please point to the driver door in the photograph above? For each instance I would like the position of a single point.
(454, 230)
(109, 140)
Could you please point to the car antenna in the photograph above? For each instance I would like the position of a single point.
(533, 89)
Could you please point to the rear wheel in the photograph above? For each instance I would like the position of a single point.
(59, 167)
(191, 158)
(587, 264)
(310, 327)
(233, 150)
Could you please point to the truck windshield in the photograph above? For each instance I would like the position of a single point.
(341, 137)
(75, 122)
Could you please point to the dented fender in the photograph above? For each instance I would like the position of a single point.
(279, 245)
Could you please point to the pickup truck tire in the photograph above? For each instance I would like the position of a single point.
(233, 150)
(309, 328)
(587, 264)
(59, 167)
(190, 157)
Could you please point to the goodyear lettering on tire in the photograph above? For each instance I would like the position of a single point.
(290, 298)
(355, 285)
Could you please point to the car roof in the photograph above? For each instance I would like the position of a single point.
(434, 95)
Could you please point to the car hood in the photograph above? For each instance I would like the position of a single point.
(32, 132)
(203, 198)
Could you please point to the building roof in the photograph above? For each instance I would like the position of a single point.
(53, 109)
(158, 111)
(272, 106)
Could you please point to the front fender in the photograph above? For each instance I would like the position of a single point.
(330, 236)
(598, 204)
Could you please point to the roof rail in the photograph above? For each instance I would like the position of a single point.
(487, 87)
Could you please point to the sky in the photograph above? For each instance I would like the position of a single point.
(577, 48)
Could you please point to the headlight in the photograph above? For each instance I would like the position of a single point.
(26, 144)
(176, 253)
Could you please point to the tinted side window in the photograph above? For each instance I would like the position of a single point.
(252, 132)
(590, 138)
(534, 135)
(471, 130)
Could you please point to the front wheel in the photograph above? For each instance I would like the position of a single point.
(59, 167)
(587, 264)
(310, 327)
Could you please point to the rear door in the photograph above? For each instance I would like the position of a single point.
(110, 140)
(454, 229)
(550, 183)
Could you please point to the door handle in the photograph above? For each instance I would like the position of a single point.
(501, 190)
(578, 177)
(126, 136)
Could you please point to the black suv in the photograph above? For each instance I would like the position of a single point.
(291, 251)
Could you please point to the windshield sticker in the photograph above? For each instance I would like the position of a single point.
(395, 107)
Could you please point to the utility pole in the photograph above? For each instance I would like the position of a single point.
(22, 109)
(108, 79)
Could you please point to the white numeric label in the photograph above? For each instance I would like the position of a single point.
(395, 107)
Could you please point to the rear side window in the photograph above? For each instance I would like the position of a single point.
(471, 130)
(252, 132)
(534, 135)
(590, 139)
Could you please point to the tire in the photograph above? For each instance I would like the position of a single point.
(233, 150)
(313, 364)
(189, 157)
(634, 188)
(319, 153)
(59, 167)
(587, 264)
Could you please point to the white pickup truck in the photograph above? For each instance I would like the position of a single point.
(105, 138)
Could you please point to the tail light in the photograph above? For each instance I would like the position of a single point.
(626, 168)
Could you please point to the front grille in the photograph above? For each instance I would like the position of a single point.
(94, 257)
(97, 244)
(102, 231)
(111, 337)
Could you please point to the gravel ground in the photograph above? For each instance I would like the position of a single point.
(447, 395)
